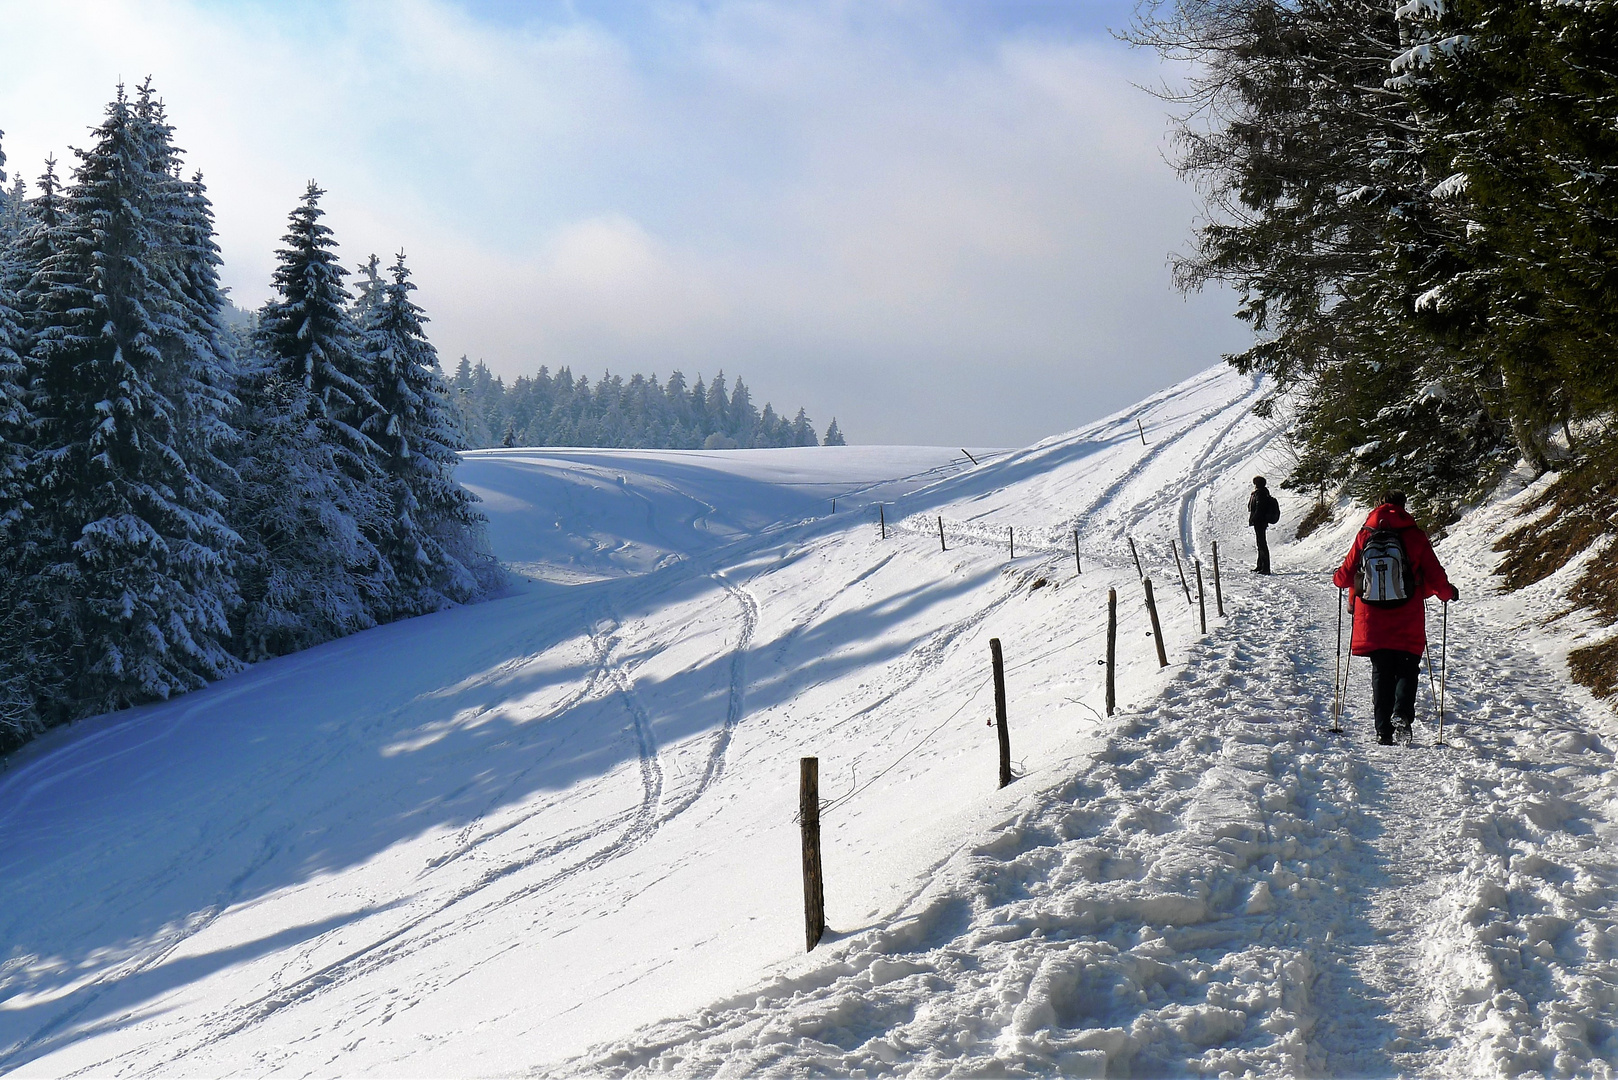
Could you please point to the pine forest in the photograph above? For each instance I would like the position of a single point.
(639, 414)
(180, 496)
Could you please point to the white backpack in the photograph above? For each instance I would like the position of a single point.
(1386, 577)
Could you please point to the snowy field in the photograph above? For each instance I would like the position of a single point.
(554, 833)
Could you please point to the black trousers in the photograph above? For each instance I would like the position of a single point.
(1394, 677)
(1263, 566)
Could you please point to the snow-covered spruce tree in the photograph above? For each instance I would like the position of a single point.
(742, 420)
(19, 717)
(200, 374)
(10, 204)
(15, 421)
(434, 534)
(834, 435)
(40, 234)
(133, 555)
(309, 336)
(368, 288)
(311, 505)
(36, 654)
(803, 430)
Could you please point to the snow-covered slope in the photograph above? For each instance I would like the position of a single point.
(555, 831)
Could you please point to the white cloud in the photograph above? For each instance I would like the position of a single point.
(932, 234)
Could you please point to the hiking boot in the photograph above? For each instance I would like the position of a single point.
(1403, 727)
(1386, 738)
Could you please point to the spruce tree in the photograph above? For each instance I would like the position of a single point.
(743, 418)
(13, 212)
(10, 205)
(313, 500)
(834, 435)
(368, 290)
(434, 532)
(803, 430)
(200, 370)
(19, 674)
(308, 333)
(133, 550)
(41, 234)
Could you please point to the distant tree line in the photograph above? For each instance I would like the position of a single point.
(178, 496)
(1418, 205)
(641, 413)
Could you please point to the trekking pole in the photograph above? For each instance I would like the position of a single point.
(1337, 675)
(1348, 662)
(1443, 674)
(1432, 681)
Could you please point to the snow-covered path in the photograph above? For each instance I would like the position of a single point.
(1226, 886)
(554, 832)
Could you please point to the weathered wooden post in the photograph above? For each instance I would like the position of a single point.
(1219, 597)
(969, 456)
(1112, 650)
(1011, 536)
(1178, 565)
(834, 506)
(1157, 629)
(1141, 430)
(1202, 605)
(1078, 567)
(882, 520)
(814, 882)
(941, 545)
(1000, 710)
(1138, 571)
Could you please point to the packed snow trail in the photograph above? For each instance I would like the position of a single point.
(1225, 887)
(488, 840)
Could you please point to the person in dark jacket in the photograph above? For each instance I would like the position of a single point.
(1394, 637)
(1262, 512)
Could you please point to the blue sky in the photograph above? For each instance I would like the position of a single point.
(938, 220)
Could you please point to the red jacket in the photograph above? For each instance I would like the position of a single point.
(1403, 627)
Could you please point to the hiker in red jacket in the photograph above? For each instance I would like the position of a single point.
(1390, 571)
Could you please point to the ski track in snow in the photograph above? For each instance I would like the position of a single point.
(714, 765)
(1209, 882)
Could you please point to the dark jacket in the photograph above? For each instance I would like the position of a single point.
(1257, 504)
(1403, 627)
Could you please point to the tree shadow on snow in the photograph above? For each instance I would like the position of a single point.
(116, 835)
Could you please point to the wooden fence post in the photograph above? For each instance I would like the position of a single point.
(882, 520)
(1078, 567)
(1219, 597)
(1011, 536)
(1202, 605)
(1157, 629)
(1112, 650)
(814, 882)
(969, 456)
(1138, 571)
(1178, 565)
(941, 545)
(1000, 710)
(1141, 430)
